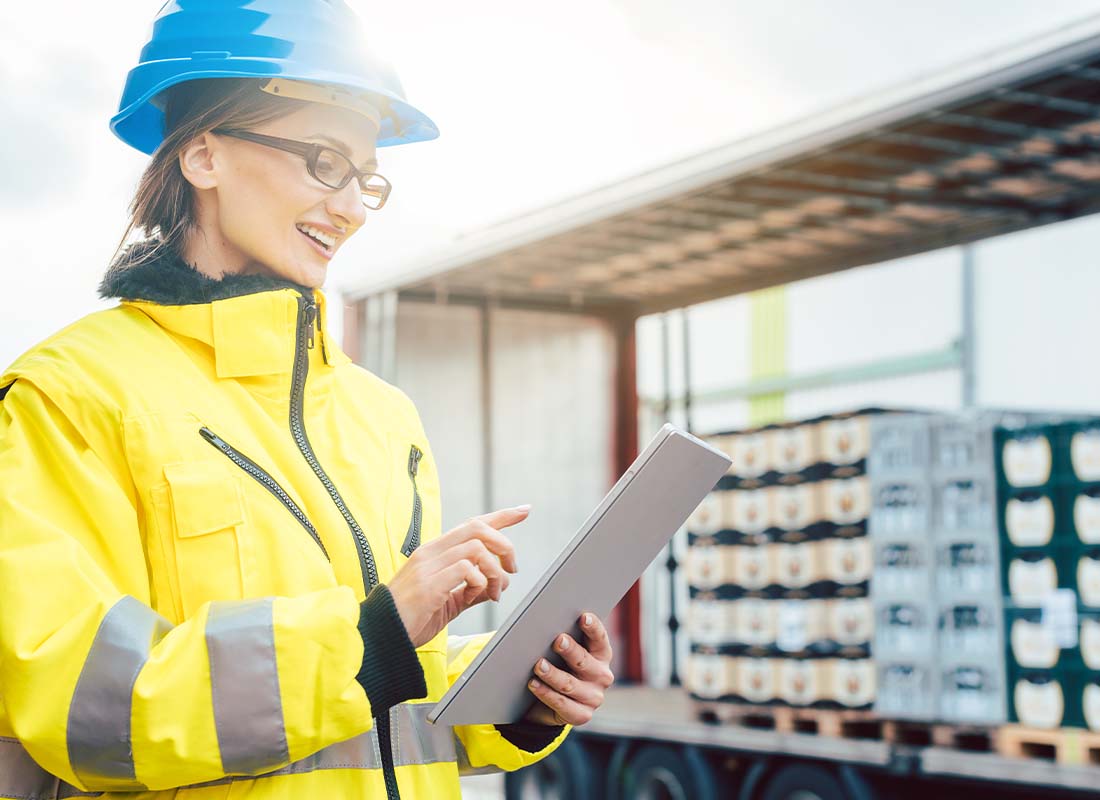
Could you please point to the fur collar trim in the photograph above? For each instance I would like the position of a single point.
(142, 273)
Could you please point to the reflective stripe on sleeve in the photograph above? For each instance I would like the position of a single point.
(416, 742)
(244, 681)
(99, 715)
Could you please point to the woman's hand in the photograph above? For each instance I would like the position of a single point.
(572, 695)
(463, 567)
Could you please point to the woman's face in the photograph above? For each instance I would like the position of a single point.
(251, 219)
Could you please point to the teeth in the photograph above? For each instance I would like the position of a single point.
(328, 240)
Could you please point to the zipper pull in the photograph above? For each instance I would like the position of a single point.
(414, 460)
(311, 317)
(213, 438)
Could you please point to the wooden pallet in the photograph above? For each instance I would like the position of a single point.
(841, 724)
(973, 738)
(848, 724)
(1063, 746)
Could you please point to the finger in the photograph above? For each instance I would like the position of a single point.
(462, 572)
(581, 663)
(596, 639)
(584, 692)
(566, 709)
(505, 517)
(489, 564)
(476, 530)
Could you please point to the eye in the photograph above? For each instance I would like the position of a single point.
(331, 166)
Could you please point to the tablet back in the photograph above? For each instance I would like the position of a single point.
(613, 547)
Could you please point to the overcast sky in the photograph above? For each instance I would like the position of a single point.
(537, 102)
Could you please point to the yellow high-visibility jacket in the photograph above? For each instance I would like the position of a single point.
(198, 500)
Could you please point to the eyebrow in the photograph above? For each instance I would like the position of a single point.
(367, 165)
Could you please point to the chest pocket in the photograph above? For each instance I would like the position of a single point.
(412, 514)
(202, 520)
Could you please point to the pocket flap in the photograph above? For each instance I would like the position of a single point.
(205, 498)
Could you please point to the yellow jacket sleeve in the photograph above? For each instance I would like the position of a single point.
(483, 748)
(104, 692)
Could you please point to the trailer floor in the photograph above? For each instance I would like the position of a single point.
(669, 715)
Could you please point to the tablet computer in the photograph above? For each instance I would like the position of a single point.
(613, 547)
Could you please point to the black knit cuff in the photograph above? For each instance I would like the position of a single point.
(530, 736)
(391, 672)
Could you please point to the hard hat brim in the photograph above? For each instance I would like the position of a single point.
(140, 123)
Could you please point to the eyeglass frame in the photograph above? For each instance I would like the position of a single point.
(311, 152)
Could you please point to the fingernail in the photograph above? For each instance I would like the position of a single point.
(564, 643)
(544, 666)
(525, 507)
(587, 619)
(534, 684)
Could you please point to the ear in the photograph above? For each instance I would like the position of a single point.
(197, 161)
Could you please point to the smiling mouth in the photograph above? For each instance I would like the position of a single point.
(326, 249)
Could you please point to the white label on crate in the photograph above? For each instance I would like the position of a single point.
(1060, 617)
(792, 624)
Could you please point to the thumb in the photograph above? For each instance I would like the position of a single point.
(506, 517)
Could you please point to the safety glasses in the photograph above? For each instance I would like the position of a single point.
(329, 167)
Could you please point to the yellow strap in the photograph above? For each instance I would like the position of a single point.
(768, 351)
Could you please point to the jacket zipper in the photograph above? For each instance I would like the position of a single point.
(308, 319)
(265, 480)
(412, 538)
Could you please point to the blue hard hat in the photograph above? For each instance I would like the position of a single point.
(318, 41)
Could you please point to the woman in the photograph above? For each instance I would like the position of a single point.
(219, 539)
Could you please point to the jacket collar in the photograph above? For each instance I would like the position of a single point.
(250, 321)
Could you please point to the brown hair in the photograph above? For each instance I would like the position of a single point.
(163, 207)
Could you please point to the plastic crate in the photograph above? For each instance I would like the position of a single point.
(900, 507)
(962, 444)
(1045, 699)
(906, 689)
(1031, 517)
(1084, 570)
(1078, 446)
(971, 629)
(900, 445)
(1079, 507)
(967, 566)
(972, 693)
(1030, 574)
(905, 629)
(964, 502)
(1025, 456)
(903, 567)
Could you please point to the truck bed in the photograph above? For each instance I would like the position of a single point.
(668, 715)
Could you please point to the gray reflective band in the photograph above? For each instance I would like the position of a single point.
(244, 682)
(99, 714)
(21, 777)
(416, 742)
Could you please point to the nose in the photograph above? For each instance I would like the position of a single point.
(347, 205)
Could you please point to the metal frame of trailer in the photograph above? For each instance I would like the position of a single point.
(1002, 143)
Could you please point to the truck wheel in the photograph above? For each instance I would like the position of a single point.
(659, 772)
(569, 773)
(803, 782)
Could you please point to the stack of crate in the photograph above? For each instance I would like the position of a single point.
(779, 568)
(903, 588)
(969, 609)
(936, 590)
(1049, 519)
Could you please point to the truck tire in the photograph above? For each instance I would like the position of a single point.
(569, 773)
(803, 782)
(676, 773)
